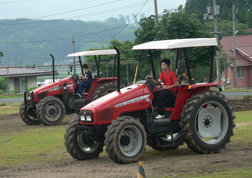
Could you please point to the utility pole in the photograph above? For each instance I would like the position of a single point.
(234, 47)
(214, 15)
(74, 71)
(20, 61)
(156, 10)
(156, 14)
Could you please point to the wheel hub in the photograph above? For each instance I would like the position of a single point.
(51, 111)
(207, 121)
(124, 140)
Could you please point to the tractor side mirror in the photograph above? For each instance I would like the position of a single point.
(70, 68)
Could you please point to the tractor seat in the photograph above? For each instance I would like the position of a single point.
(171, 102)
(86, 89)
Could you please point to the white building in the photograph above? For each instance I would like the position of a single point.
(19, 78)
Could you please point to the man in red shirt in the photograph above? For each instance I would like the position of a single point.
(168, 89)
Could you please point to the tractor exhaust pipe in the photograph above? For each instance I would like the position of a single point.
(53, 66)
(118, 69)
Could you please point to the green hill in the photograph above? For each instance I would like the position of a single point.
(30, 41)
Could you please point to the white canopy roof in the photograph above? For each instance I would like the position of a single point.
(93, 53)
(176, 43)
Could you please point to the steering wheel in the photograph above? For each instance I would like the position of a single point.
(76, 78)
(154, 82)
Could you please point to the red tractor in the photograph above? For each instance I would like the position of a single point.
(201, 118)
(48, 104)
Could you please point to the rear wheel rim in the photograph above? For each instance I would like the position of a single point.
(211, 122)
(130, 141)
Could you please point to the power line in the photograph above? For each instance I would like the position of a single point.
(57, 39)
(85, 15)
(130, 20)
(64, 12)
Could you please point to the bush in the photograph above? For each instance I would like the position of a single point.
(30, 89)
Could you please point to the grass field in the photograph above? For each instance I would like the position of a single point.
(21, 144)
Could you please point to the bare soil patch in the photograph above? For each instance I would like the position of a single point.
(173, 163)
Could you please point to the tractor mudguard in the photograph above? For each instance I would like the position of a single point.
(65, 94)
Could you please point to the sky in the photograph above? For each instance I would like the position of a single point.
(86, 10)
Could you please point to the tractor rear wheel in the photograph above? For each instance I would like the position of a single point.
(207, 122)
(28, 115)
(50, 111)
(165, 140)
(75, 145)
(104, 89)
(125, 140)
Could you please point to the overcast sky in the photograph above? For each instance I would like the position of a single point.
(86, 10)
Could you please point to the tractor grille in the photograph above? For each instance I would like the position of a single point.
(42, 95)
(106, 115)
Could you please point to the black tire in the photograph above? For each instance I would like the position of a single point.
(165, 140)
(75, 145)
(104, 89)
(28, 116)
(125, 140)
(50, 111)
(207, 122)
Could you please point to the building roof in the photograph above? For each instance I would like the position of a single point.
(23, 72)
(243, 49)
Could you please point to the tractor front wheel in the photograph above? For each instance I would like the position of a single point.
(50, 111)
(207, 122)
(125, 140)
(28, 115)
(76, 146)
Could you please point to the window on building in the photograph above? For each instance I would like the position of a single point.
(240, 72)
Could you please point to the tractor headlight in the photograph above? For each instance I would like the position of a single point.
(86, 116)
(29, 96)
(82, 118)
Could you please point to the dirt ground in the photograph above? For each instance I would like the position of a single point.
(167, 163)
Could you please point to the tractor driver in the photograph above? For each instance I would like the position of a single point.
(168, 89)
(87, 80)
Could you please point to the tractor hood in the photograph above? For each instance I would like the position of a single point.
(53, 89)
(128, 99)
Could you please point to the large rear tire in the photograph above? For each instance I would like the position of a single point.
(28, 115)
(50, 111)
(76, 146)
(125, 140)
(104, 89)
(207, 122)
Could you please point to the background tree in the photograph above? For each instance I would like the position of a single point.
(126, 56)
(174, 25)
(146, 32)
(199, 7)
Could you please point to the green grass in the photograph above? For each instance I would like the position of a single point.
(233, 89)
(9, 108)
(3, 96)
(229, 173)
(32, 145)
(21, 144)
